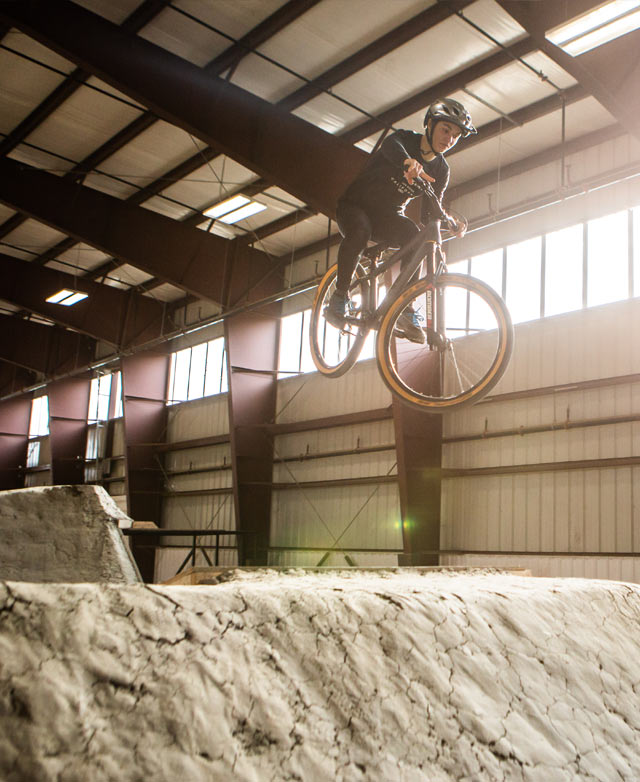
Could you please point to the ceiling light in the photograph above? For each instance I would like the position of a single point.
(224, 207)
(599, 26)
(66, 297)
(251, 208)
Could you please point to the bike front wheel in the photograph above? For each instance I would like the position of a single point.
(335, 350)
(468, 343)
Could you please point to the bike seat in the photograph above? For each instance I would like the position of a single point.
(374, 252)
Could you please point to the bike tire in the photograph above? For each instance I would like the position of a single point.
(335, 351)
(445, 374)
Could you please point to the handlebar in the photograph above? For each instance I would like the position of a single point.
(422, 187)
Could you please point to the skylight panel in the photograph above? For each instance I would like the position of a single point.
(224, 207)
(66, 297)
(597, 27)
(250, 209)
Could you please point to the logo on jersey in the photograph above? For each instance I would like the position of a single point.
(404, 188)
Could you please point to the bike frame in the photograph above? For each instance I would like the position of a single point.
(425, 246)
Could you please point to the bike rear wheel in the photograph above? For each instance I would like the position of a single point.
(465, 354)
(336, 350)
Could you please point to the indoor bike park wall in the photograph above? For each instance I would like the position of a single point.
(310, 509)
(544, 474)
(540, 475)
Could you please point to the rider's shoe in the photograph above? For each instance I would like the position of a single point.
(337, 310)
(408, 324)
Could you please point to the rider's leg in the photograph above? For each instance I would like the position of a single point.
(355, 227)
(397, 230)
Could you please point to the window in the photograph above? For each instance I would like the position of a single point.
(118, 411)
(488, 268)
(636, 250)
(198, 371)
(38, 427)
(607, 259)
(563, 270)
(39, 422)
(99, 398)
(294, 355)
(33, 453)
(523, 279)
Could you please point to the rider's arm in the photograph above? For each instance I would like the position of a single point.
(429, 210)
(396, 153)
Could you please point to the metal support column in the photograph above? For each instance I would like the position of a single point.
(252, 353)
(68, 409)
(14, 439)
(419, 454)
(144, 384)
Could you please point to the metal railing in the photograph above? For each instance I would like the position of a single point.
(153, 541)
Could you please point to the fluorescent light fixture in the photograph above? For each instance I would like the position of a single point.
(599, 26)
(66, 297)
(251, 208)
(224, 207)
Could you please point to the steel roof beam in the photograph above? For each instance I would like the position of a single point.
(421, 99)
(13, 381)
(109, 314)
(136, 21)
(529, 113)
(191, 259)
(281, 147)
(278, 20)
(46, 349)
(611, 73)
(395, 38)
(539, 159)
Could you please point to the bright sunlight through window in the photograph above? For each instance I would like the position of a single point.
(197, 372)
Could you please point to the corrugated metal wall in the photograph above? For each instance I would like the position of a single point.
(365, 518)
(553, 503)
(198, 484)
(115, 478)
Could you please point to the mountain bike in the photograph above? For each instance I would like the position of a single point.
(468, 330)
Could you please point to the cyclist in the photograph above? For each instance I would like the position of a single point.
(372, 207)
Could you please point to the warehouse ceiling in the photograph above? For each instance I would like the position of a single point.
(123, 124)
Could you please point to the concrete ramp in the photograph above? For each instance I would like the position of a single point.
(339, 676)
(64, 533)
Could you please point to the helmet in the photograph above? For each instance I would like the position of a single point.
(452, 111)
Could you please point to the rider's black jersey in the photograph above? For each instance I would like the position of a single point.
(381, 185)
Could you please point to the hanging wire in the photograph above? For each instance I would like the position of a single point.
(71, 77)
(271, 61)
(516, 58)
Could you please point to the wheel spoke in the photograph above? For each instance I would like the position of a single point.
(336, 349)
(463, 360)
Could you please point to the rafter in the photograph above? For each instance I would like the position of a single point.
(611, 73)
(282, 17)
(45, 349)
(249, 129)
(532, 162)
(109, 314)
(134, 22)
(189, 258)
(419, 100)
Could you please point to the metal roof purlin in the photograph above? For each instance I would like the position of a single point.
(604, 71)
(184, 256)
(41, 348)
(279, 146)
(101, 316)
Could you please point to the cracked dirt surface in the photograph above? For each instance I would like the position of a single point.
(403, 675)
(63, 533)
